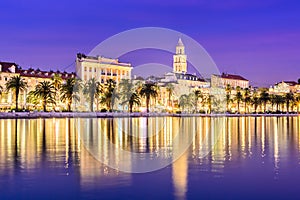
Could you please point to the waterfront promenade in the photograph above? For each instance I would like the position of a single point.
(33, 115)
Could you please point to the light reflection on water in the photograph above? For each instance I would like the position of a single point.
(31, 150)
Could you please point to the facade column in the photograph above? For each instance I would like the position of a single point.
(129, 74)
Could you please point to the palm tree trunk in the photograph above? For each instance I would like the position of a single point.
(147, 103)
(92, 103)
(45, 105)
(69, 106)
(17, 98)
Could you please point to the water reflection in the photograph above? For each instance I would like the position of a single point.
(180, 176)
(27, 146)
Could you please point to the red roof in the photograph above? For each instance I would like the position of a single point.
(232, 76)
(34, 73)
(6, 66)
(290, 83)
(44, 74)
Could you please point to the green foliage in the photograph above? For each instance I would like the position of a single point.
(148, 90)
(46, 92)
(69, 92)
(92, 89)
(17, 85)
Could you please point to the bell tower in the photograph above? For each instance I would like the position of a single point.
(179, 59)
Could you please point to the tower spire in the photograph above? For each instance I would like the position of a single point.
(180, 43)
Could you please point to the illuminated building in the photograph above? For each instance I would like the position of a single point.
(182, 81)
(285, 87)
(31, 76)
(101, 68)
(179, 59)
(229, 79)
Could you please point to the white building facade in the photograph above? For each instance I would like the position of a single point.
(101, 68)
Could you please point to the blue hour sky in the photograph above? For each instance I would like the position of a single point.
(257, 39)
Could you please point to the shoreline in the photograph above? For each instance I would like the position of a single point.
(35, 115)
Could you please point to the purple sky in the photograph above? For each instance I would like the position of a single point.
(259, 40)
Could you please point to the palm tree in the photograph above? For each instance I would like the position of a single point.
(238, 97)
(272, 101)
(264, 98)
(1, 90)
(198, 95)
(183, 101)
(148, 90)
(92, 89)
(69, 91)
(208, 99)
(228, 89)
(297, 101)
(110, 94)
(57, 83)
(247, 99)
(289, 98)
(126, 88)
(16, 84)
(255, 102)
(170, 90)
(134, 99)
(45, 91)
(279, 100)
(32, 99)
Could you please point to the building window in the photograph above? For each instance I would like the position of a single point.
(85, 69)
(95, 70)
(90, 69)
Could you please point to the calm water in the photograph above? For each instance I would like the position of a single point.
(250, 158)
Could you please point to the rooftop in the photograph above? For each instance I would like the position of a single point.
(232, 76)
(100, 59)
(5, 66)
(290, 83)
(37, 73)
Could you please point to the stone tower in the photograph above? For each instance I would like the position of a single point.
(179, 59)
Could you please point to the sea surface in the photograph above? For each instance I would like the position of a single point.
(206, 158)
